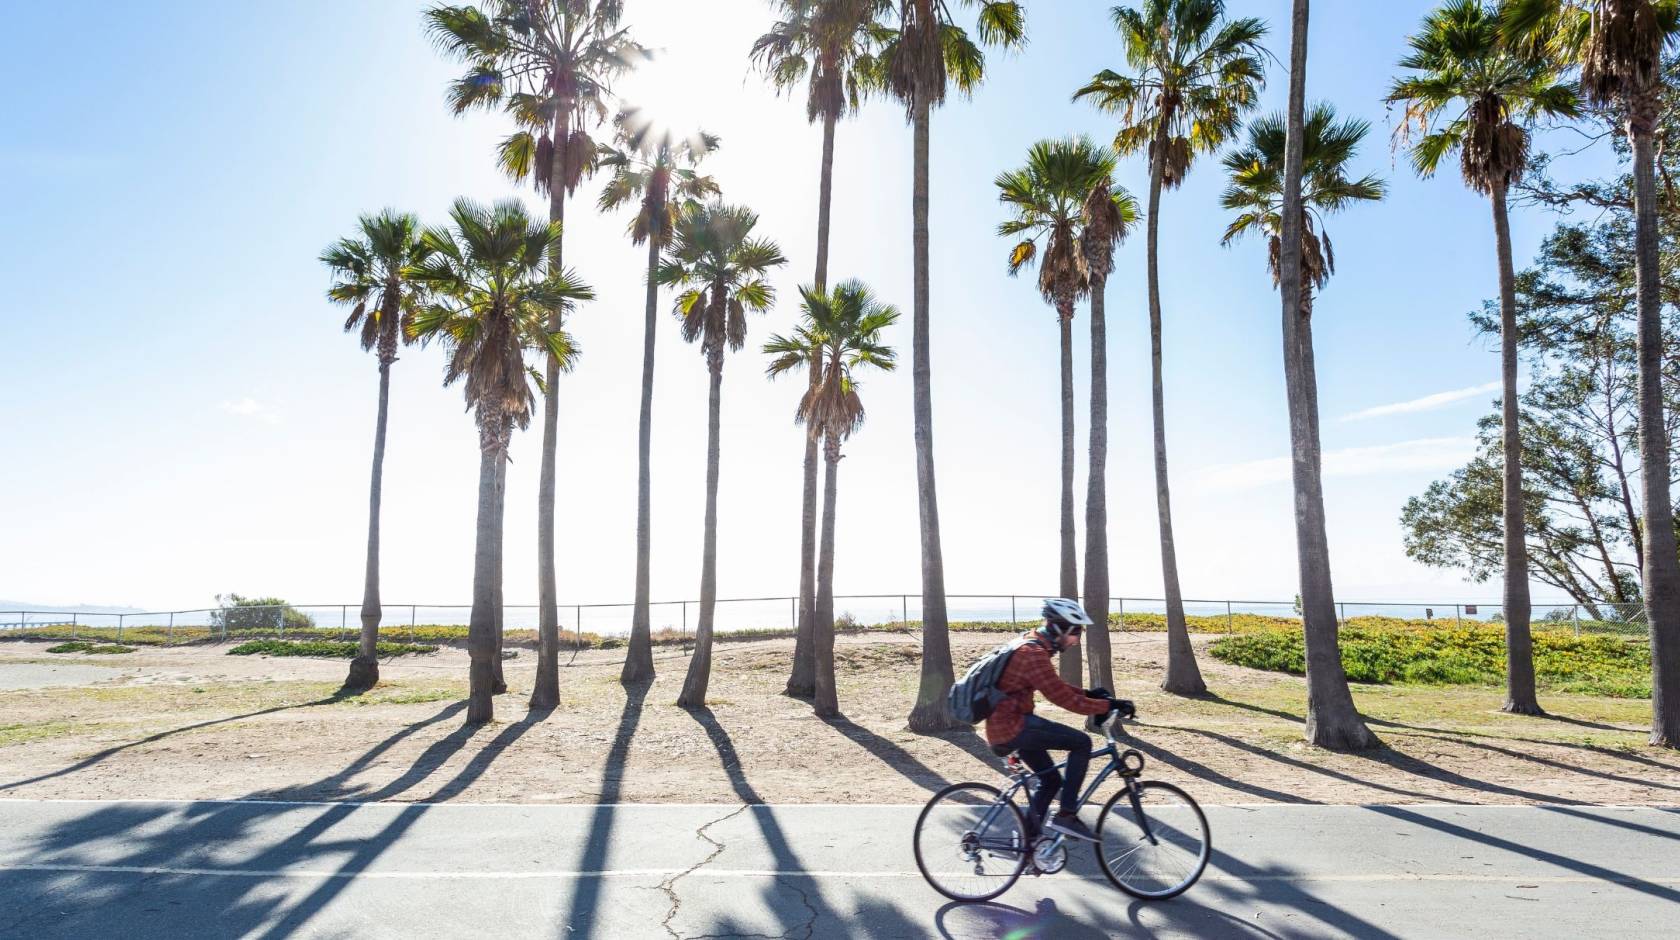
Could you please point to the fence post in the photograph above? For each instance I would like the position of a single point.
(282, 613)
(1575, 614)
(74, 617)
(904, 608)
(1230, 625)
(793, 612)
(343, 620)
(685, 628)
(1343, 607)
(1012, 620)
(171, 640)
(579, 614)
(1458, 616)
(1121, 610)
(119, 627)
(411, 623)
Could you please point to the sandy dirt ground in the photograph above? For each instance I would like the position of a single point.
(193, 722)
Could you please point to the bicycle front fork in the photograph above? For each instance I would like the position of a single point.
(1132, 791)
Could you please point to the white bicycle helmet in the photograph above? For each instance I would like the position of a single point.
(1062, 615)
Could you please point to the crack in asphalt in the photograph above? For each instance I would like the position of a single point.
(669, 885)
(805, 899)
(809, 927)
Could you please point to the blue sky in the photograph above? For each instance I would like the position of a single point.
(182, 416)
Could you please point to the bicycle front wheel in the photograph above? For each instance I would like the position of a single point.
(1157, 847)
(971, 843)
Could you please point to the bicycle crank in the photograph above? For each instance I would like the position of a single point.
(1049, 855)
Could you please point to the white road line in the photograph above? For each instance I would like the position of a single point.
(320, 874)
(401, 804)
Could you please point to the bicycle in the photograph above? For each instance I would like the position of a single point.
(1152, 842)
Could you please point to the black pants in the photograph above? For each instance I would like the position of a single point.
(1034, 744)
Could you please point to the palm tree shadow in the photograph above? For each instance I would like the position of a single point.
(366, 851)
(1615, 753)
(1203, 772)
(335, 786)
(110, 752)
(787, 860)
(1654, 889)
(889, 754)
(169, 836)
(586, 892)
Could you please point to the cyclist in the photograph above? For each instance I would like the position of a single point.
(1012, 726)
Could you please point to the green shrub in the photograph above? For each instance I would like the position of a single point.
(82, 646)
(1563, 662)
(338, 649)
(257, 613)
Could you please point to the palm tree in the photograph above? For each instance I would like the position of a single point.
(1257, 192)
(1619, 46)
(550, 65)
(846, 325)
(1047, 197)
(1194, 74)
(372, 272)
(926, 54)
(829, 45)
(713, 252)
(494, 297)
(1108, 216)
(1472, 94)
(655, 170)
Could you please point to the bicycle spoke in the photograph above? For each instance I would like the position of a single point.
(1169, 858)
(970, 843)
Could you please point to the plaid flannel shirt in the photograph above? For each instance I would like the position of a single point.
(1029, 670)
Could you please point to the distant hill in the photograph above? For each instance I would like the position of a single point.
(6, 605)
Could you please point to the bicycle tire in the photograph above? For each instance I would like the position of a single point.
(1008, 876)
(1204, 853)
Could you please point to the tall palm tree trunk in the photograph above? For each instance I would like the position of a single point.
(1101, 666)
(1332, 720)
(546, 692)
(1069, 661)
(1183, 676)
(802, 680)
(481, 628)
(827, 698)
(1662, 565)
(825, 201)
(364, 668)
(498, 683)
(638, 659)
(1519, 645)
(801, 683)
(700, 665)
(931, 713)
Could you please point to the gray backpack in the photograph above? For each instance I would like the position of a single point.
(974, 696)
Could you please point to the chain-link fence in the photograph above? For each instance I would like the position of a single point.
(673, 622)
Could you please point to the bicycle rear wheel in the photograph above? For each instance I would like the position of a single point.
(1160, 853)
(971, 843)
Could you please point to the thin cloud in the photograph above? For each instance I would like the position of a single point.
(1426, 403)
(249, 408)
(1423, 454)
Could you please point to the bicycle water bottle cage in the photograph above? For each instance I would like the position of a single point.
(1131, 763)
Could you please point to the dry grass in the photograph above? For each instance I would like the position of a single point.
(192, 722)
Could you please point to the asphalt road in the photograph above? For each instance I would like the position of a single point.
(192, 869)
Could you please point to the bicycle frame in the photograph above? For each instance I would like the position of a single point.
(1117, 764)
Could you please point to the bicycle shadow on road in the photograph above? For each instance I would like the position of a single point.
(959, 920)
